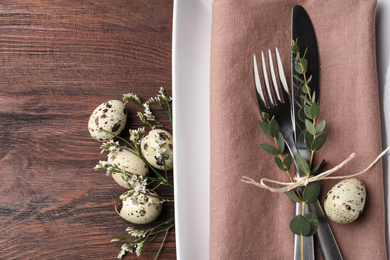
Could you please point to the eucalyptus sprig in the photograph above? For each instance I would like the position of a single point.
(314, 138)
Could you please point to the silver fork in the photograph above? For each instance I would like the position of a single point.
(281, 110)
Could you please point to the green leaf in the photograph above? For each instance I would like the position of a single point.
(292, 195)
(294, 48)
(298, 68)
(273, 128)
(313, 220)
(313, 96)
(265, 116)
(280, 142)
(269, 148)
(314, 111)
(265, 128)
(302, 164)
(319, 141)
(320, 127)
(301, 114)
(300, 225)
(310, 127)
(306, 89)
(315, 169)
(287, 162)
(304, 64)
(308, 140)
(307, 111)
(299, 79)
(311, 192)
(279, 163)
(307, 101)
(309, 79)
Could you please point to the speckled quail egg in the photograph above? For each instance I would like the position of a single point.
(138, 208)
(158, 144)
(110, 116)
(128, 161)
(345, 201)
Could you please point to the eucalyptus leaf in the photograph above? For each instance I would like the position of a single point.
(294, 48)
(292, 195)
(299, 79)
(298, 68)
(311, 192)
(307, 101)
(315, 169)
(302, 115)
(287, 162)
(308, 140)
(280, 142)
(319, 141)
(320, 127)
(265, 128)
(304, 64)
(302, 164)
(309, 79)
(313, 220)
(310, 127)
(300, 225)
(269, 148)
(280, 164)
(273, 128)
(314, 111)
(307, 111)
(265, 116)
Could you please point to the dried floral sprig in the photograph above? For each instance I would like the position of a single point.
(147, 116)
(138, 183)
(140, 237)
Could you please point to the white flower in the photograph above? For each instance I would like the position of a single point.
(148, 113)
(138, 248)
(132, 97)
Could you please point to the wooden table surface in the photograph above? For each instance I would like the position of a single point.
(59, 59)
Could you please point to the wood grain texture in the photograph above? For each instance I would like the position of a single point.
(58, 61)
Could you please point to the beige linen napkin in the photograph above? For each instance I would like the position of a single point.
(251, 223)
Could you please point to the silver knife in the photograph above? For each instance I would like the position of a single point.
(302, 29)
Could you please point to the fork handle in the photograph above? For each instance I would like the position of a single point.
(327, 242)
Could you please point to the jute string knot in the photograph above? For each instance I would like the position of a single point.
(304, 181)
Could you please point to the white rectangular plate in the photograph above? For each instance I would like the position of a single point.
(191, 76)
(191, 84)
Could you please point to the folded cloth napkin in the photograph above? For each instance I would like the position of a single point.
(247, 222)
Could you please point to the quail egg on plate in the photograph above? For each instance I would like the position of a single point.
(138, 208)
(110, 116)
(155, 146)
(345, 201)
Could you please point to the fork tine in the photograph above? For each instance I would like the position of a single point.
(273, 77)
(282, 77)
(266, 81)
(260, 95)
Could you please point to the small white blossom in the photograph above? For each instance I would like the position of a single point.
(138, 248)
(148, 113)
(132, 97)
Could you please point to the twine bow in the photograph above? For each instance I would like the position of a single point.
(304, 181)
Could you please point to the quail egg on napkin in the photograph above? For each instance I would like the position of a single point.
(345, 201)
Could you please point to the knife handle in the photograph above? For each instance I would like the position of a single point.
(327, 242)
(308, 243)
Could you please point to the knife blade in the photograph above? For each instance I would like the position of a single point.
(303, 32)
